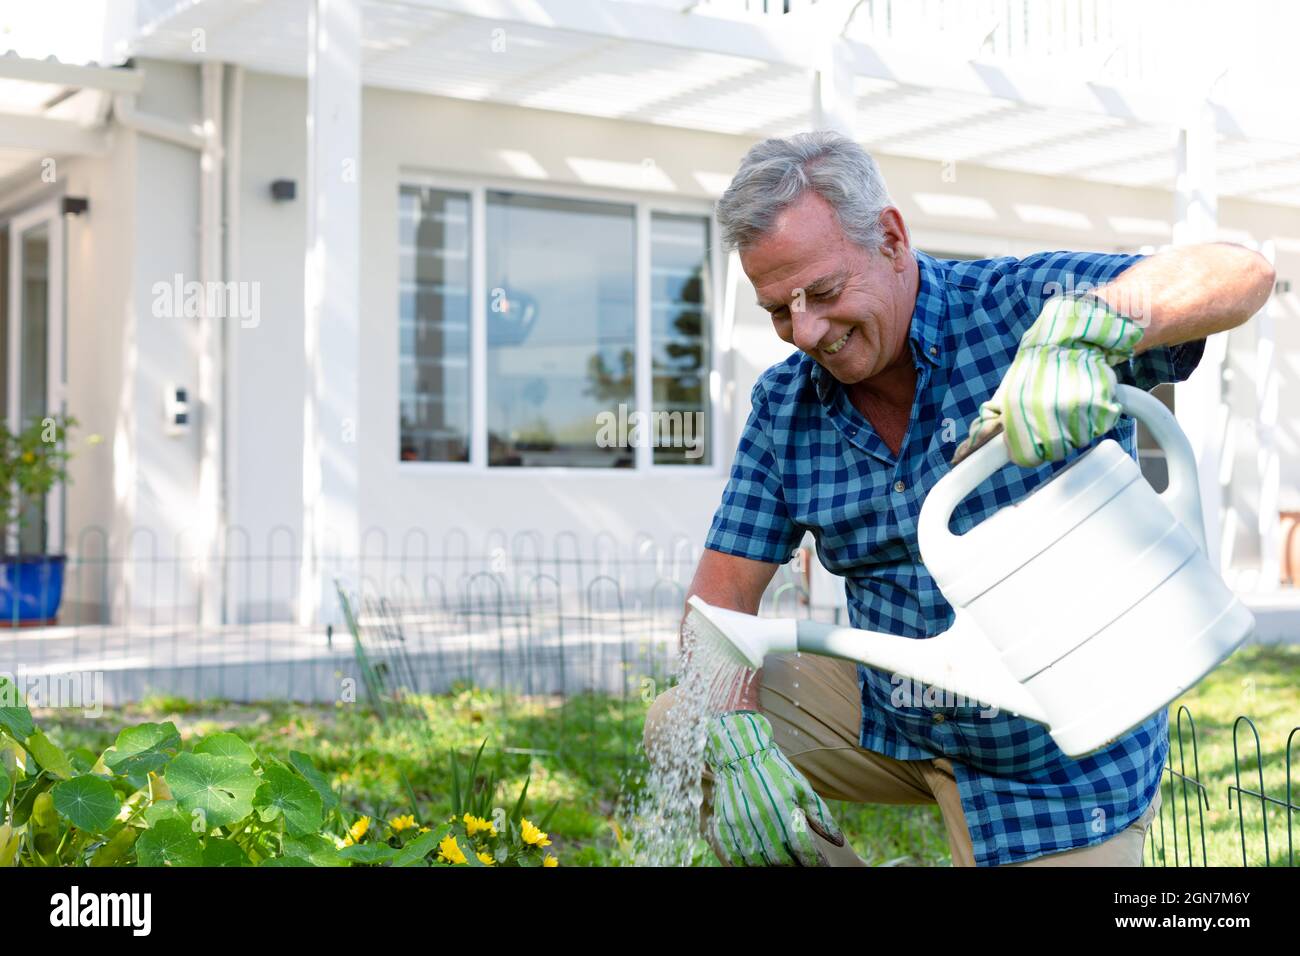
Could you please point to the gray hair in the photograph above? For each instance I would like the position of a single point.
(776, 172)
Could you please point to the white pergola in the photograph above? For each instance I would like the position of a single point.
(964, 95)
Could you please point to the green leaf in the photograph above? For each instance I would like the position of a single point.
(15, 718)
(287, 861)
(49, 757)
(161, 810)
(82, 760)
(305, 766)
(518, 812)
(5, 784)
(170, 843)
(89, 802)
(222, 787)
(226, 745)
(141, 749)
(413, 853)
(223, 853)
(285, 793)
(455, 785)
(367, 853)
(316, 849)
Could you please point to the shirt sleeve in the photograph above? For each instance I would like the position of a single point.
(1041, 276)
(752, 521)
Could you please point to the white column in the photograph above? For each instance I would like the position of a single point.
(833, 102)
(211, 380)
(1269, 469)
(330, 520)
(1199, 402)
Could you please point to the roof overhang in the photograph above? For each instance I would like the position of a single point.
(696, 69)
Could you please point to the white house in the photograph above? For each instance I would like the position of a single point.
(322, 272)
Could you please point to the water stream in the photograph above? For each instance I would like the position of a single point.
(661, 820)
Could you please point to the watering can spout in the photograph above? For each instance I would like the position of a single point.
(960, 660)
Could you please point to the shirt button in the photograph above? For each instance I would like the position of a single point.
(934, 350)
(900, 486)
(938, 718)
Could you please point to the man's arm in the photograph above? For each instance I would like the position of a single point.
(737, 584)
(1187, 293)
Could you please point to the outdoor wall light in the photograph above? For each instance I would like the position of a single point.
(75, 205)
(284, 190)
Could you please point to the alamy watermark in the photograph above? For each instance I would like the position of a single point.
(1131, 300)
(625, 428)
(80, 690)
(909, 692)
(214, 300)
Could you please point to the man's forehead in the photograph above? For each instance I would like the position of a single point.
(816, 280)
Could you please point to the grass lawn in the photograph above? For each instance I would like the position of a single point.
(580, 752)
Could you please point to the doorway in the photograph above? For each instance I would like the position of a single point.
(31, 335)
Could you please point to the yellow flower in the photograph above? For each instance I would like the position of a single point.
(450, 851)
(423, 830)
(549, 860)
(532, 836)
(402, 823)
(358, 830)
(28, 457)
(474, 824)
(485, 859)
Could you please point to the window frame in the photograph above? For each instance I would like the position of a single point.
(644, 206)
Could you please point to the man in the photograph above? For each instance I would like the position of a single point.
(895, 353)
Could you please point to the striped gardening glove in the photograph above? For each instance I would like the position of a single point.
(1059, 393)
(763, 808)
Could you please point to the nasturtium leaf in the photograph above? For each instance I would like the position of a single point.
(413, 853)
(82, 760)
(15, 718)
(307, 767)
(318, 850)
(90, 803)
(284, 792)
(170, 843)
(368, 853)
(295, 861)
(222, 787)
(143, 748)
(223, 853)
(50, 757)
(226, 745)
(161, 810)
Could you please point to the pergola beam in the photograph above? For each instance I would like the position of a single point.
(49, 135)
(108, 79)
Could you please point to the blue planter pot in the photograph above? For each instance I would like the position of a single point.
(31, 587)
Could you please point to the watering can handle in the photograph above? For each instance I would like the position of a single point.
(1183, 496)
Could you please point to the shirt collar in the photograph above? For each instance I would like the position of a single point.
(925, 331)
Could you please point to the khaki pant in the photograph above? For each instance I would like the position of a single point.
(814, 708)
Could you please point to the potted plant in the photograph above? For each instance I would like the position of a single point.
(32, 461)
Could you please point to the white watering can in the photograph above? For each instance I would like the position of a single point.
(1087, 607)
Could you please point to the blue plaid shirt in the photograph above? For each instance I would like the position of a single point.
(809, 461)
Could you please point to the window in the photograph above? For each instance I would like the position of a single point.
(561, 324)
(679, 256)
(534, 327)
(434, 324)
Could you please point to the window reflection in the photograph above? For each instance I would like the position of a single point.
(679, 294)
(561, 306)
(434, 324)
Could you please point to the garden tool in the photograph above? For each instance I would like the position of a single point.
(1087, 606)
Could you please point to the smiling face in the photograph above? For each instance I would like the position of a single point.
(847, 307)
